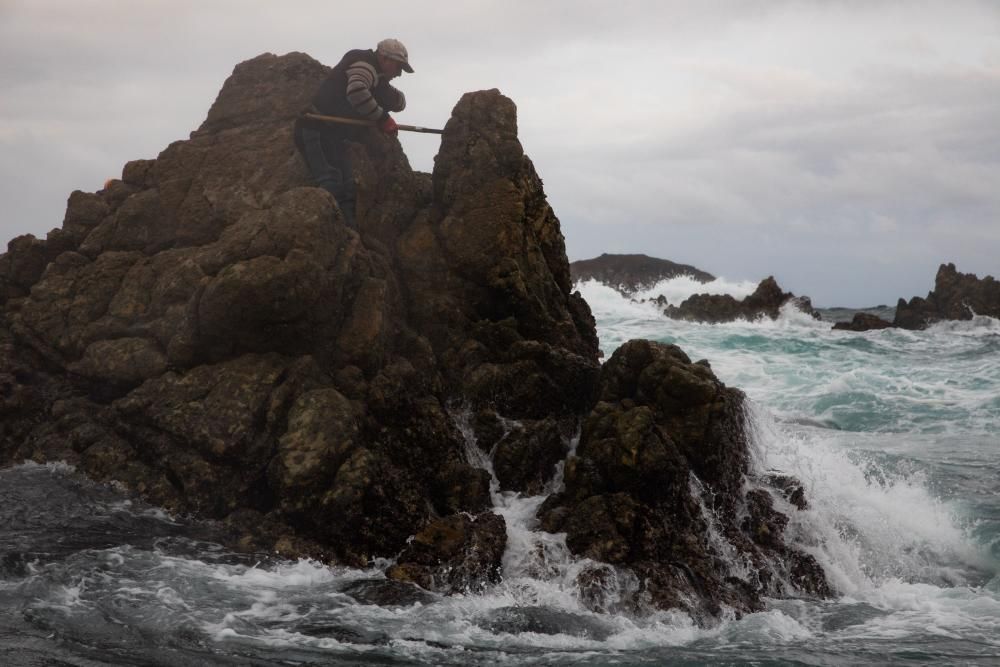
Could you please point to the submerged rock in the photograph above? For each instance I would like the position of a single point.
(544, 621)
(456, 554)
(766, 301)
(863, 322)
(387, 593)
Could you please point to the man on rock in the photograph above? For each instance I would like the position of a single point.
(358, 87)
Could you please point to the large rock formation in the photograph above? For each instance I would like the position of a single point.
(630, 273)
(208, 332)
(766, 301)
(658, 486)
(956, 296)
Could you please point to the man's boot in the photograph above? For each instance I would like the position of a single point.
(344, 194)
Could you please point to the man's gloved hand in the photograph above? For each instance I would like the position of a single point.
(389, 126)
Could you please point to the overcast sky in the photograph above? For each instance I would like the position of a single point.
(848, 148)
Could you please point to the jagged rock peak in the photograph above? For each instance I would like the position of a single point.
(956, 296)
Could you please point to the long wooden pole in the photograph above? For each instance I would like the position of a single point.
(369, 123)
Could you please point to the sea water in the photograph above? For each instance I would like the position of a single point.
(892, 433)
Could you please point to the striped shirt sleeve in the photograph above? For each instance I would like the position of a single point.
(361, 80)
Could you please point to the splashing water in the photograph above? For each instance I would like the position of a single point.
(891, 433)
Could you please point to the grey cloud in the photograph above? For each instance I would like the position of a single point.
(849, 168)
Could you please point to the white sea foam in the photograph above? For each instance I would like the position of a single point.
(537, 566)
(898, 547)
(977, 326)
(956, 613)
(676, 290)
(291, 574)
(868, 523)
(873, 526)
(881, 536)
(54, 467)
(609, 302)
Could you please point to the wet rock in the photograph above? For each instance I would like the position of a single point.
(462, 487)
(342, 633)
(544, 621)
(387, 593)
(254, 532)
(848, 615)
(766, 301)
(863, 322)
(605, 589)
(459, 553)
(807, 575)
(323, 432)
(790, 488)
(956, 296)
(659, 464)
(525, 458)
(763, 524)
(488, 429)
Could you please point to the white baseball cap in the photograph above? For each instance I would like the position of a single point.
(394, 50)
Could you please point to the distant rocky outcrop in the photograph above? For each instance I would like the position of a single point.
(863, 322)
(207, 332)
(630, 273)
(766, 301)
(956, 296)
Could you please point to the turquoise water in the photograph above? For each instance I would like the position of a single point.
(893, 434)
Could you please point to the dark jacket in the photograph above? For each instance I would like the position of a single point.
(371, 98)
(353, 89)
